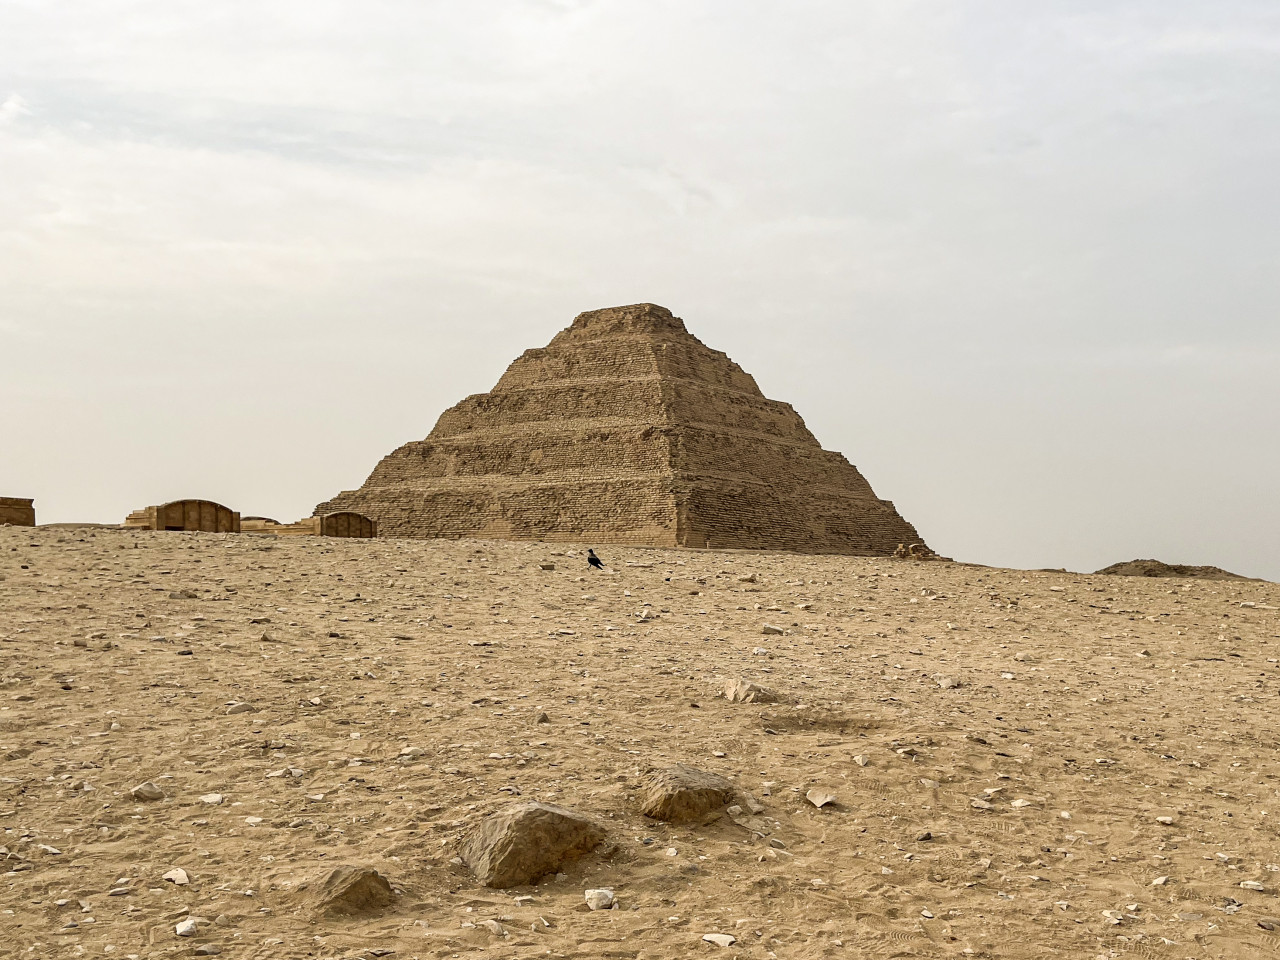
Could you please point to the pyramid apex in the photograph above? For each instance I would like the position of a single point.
(633, 318)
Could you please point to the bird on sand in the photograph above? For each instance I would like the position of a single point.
(593, 560)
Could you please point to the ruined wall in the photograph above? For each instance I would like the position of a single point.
(201, 515)
(341, 524)
(18, 511)
(628, 429)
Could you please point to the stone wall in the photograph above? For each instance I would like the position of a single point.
(18, 511)
(628, 429)
(202, 515)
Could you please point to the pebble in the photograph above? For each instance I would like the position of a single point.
(947, 683)
(1020, 803)
(601, 899)
(208, 950)
(1253, 885)
(240, 708)
(1159, 881)
(214, 798)
(820, 798)
(769, 631)
(720, 939)
(494, 927)
(861, 760)
(187, 928)
(177, 875)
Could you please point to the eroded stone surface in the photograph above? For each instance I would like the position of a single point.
(350, 890)
(744, 691)
(523, 842)
(628, 429)
(683, 793)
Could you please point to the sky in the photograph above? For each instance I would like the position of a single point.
(1017, 261)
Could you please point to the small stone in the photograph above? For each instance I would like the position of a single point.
(1159, 881)
(1020, 803)
(253, 821)
(946, 683)
(929, 784)
(926, 913)
(147, 791)
(1253, 885)
(208, 950)
(720, 939)
(925, 837)
(861, 760)
(601, 899)
(769, 631)
(187, 928)
(744, 691)
(119, 892)
(820, 798)
(546, 566)
(211, 798)
(48, 850)
(411, 753)
(981, 805)
(541, 717)
(1165, 820)
(494, 927)
(177, 875)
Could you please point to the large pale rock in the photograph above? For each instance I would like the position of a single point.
(523, 842)
(351, 890)
(683, 793)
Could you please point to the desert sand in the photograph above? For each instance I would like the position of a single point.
(1022, 764)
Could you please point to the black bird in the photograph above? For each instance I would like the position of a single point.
(593, 560)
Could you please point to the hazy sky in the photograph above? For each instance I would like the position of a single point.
(1020, 262)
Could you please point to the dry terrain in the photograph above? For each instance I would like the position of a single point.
(1023, 764)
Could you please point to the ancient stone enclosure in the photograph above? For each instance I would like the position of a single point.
(628, 429)
(341, 524)
(202, 515)
(18, 511)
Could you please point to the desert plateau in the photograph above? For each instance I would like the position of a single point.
(928, 759)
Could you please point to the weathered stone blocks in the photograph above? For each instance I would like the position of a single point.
(628, 429)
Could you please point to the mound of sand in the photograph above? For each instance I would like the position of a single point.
(1157, 568)
(963, 762)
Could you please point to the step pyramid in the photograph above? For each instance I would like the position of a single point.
(628, 429)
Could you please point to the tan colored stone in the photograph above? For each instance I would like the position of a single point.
(744, 691)
(523, 842)
(350, 890)
(682, 792)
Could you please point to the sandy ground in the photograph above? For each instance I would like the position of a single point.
(1106, 732)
